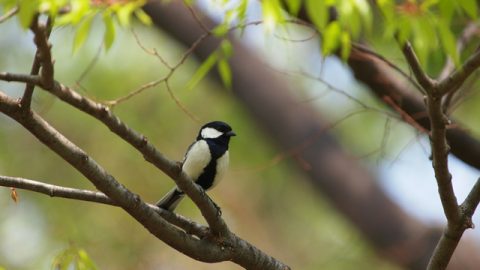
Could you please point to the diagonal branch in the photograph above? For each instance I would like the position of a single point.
(187, 225)
(423, 79)
(453, 232)
(9, 14)
(459, 76)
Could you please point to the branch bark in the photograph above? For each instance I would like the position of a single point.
(42, 33)
(190, 227)
(457, 220)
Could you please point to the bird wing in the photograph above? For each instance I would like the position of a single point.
(196, 160)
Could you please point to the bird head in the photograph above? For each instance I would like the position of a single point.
(216, 130)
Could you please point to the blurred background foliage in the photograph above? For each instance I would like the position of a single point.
(263, 198)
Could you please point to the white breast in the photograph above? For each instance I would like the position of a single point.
(197, 159)
(222, 166)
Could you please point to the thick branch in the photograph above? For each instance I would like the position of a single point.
(453, 233)
(438, 136)
(440, 150)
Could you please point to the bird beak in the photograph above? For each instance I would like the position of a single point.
(231, 134)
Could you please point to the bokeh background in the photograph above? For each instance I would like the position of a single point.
(263, 197)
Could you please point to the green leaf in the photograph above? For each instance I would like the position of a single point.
(225, 72)
(318, 13)
(448, 42)
(447, 8)
(143, 17)
(294, 6)
(470, 7)
(202, 71)
(242, 10)
(27, 9)
(82, 33)
(363, 8)
(124, 12)
(226, 48)
(64, 259)
(109, 35)
(85, 261)
(346, 45)
(272, 13)
(220, 30)
(331, 37)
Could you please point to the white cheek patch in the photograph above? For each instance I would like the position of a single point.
(210, 133)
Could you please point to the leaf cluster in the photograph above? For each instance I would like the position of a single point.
(80, 14)
(427, 24)
(73, 258)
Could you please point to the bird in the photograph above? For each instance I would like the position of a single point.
(205, 161)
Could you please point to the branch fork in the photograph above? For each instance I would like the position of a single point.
(458, 216)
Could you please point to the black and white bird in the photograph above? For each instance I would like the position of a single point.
(205, 162)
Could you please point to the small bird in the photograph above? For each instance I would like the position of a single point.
(205, 162)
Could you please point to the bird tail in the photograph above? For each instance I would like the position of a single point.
(171, 199)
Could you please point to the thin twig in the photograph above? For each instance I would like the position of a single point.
(422, 78)
(459, 76)
(22, 78)
(9, 14)
(364, 49)
(470, 31)
(42, 32)
(97, 197)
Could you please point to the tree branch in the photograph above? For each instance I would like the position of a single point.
(9, 14)
(470, 31)
(459, 76)
(422, 78)
(453, 232)
(41, 33)
(440, 148)
(28, 93)
(187, 225)
(22, 78)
